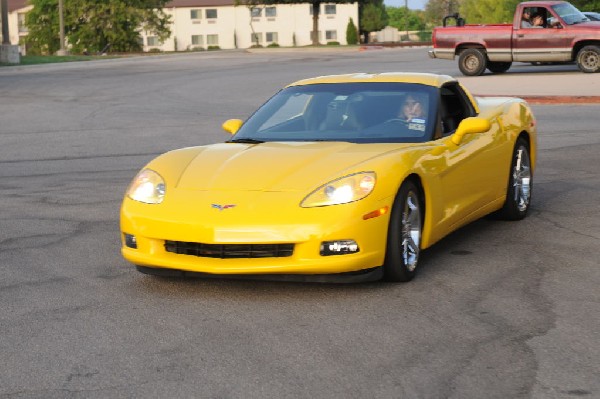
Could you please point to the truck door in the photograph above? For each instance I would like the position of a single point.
(539, 39)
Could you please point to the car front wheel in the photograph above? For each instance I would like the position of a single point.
(404, 234)
(520, 183)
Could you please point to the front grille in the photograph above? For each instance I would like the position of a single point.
(230, 250)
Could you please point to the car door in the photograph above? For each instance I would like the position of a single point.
(470, 175)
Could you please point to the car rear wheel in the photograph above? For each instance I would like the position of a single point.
(404, 234)
(498, 67)
(520, 182)
(472, 62)
(588, 59)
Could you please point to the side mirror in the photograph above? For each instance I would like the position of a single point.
(232, 125)
(470, 125)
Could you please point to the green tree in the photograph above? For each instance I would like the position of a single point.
(399, 16)
(373, 17)
(42, 22)
(488, 11)
(436, 10)
(351, 33)
(315, 6)
(586, 5)
(96, 25)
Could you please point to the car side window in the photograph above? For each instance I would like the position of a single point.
(454, 107)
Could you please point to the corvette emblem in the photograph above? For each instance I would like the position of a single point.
(222, 207)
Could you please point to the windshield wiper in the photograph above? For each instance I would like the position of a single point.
(245, 141)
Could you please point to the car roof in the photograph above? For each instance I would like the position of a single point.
(428, 79)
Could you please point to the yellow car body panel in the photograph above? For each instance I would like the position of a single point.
(234, 193)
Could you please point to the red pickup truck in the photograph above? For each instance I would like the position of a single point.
(542, 31)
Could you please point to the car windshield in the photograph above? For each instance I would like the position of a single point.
(352, 112)
(569, 13)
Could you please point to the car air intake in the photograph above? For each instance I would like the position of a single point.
(230, 250)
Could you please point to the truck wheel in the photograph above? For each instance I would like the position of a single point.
(588, 59)
(498, 67)
(472, 62)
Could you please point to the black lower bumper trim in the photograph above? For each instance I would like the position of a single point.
(360, 276)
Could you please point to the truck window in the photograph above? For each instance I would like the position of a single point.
(569, 13)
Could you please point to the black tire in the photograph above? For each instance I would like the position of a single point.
(404, 234)
(520, 183)
(472, 62)
(588, 59)
(498, 67)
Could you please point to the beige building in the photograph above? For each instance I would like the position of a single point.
(17, 9)
(200, 24)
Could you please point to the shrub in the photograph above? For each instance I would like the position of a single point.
(273, 45)
(351, 33)
(214, 48)
(333, 43)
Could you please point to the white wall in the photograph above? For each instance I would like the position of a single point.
(13, 27)
(292, 22)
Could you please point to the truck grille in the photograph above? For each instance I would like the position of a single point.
(230, 250)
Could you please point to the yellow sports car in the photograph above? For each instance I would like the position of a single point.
(346, 176)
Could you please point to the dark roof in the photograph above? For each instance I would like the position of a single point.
(16, 5)
(199, 3)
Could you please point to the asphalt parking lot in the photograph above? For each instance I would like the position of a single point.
(498, 309)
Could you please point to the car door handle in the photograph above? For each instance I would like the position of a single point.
(520, 35)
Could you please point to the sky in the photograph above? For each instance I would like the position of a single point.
(412, 4)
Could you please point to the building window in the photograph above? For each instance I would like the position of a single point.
(21, 21)
(211, 13)
(330, 35)
(256, 38)
(330, 9)
(255, 12)
(152, 41)
(196, 14)
(271, 12)
(197, 40)
(271, 37)
(212, 40)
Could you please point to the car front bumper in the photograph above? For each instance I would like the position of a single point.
(271, 218)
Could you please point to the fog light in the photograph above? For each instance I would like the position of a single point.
(130, 241)
(341, 247)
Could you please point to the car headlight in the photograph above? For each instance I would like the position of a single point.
(147, 187)
(342, 191)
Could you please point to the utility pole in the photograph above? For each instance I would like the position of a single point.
(9, 54)
(61, 23)
(406, 19)
(4, 9)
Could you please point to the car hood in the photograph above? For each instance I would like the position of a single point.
(277, 166)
